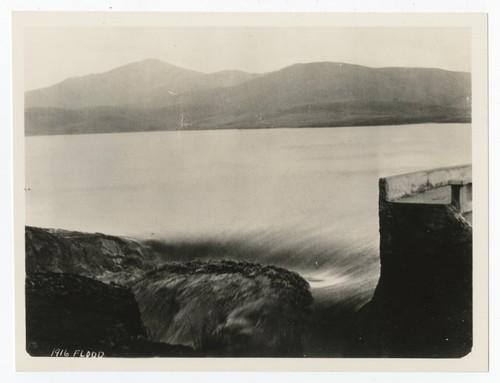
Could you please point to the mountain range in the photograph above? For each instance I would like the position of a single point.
(152, 95)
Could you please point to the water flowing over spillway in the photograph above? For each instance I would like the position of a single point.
(226, 308)
(304, 199)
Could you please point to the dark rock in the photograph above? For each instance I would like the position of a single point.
(103, 257)
(72, 312)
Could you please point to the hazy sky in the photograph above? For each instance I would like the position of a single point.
(53, 54)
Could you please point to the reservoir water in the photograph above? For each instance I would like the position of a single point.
(306, 199)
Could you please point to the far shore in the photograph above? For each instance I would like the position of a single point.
(407, 122)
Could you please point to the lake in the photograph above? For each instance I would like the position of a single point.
(302, 198)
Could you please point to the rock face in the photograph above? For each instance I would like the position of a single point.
(98, 256)
(75, 313)
(226, 308)
(214, 308)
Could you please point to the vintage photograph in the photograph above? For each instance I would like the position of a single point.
(248, 191)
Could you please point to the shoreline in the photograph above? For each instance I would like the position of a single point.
(340, 126)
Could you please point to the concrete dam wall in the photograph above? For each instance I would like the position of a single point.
(422, 306)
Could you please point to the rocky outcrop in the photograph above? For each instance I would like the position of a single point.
(226, 308)
(98, 256)
(214, 308)
(79, 315)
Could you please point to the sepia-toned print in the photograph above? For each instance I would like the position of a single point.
(248, 192)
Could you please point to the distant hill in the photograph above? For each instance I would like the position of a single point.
(153, 95)
(136, 84)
